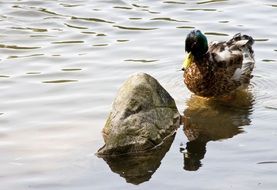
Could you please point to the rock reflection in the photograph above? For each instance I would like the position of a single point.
(137, 169)
(211, 120)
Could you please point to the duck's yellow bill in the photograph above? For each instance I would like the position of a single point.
(188, 60)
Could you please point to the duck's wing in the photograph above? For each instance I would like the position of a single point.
(235, 57)
(244, 44)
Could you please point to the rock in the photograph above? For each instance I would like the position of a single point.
(143, 115)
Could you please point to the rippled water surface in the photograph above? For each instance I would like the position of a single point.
(62, 62)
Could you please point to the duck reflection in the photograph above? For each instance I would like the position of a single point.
(139, 168)
(211, 120)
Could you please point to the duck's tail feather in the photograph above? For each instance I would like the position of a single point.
(242, 40)
(244, 43)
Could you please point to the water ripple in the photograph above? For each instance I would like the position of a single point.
(43, 10)
(4, 76)
(69, 42)
(168, 19)
(133, 28)
(139, 6)
(141, 60)
(24, 56)
(274, 5)
(72, 69)
(121, 7)
(261, 39)
(211, 1)
(135, 18)
(77, 27)
(185, 27)
(33, 73)
(60, 81)
(17, 47)
(100, 45)
(92, 19)
(69, 5)
(267, 162)
(32, 29)
(268, 60)
(216, 34)
(122, 40)
(175, 2)
(202, 9)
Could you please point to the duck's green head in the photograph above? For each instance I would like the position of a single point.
(196, 43)
(196, 46)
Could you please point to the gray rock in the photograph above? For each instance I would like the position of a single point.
(143, 115)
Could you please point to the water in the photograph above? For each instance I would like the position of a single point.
(61, 64)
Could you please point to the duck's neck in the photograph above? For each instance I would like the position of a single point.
(201, 58)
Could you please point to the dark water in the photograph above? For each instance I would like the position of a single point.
(61, 63)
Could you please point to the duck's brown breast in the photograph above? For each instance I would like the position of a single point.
(204, 81)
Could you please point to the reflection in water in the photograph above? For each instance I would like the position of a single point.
(210, 120)
(137, 169)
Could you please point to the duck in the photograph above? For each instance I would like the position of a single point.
(218, 68)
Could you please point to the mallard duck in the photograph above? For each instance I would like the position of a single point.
(218, 68)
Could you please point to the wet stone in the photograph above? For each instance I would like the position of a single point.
(143, 115)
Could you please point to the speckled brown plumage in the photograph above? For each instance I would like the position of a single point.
(224, 68)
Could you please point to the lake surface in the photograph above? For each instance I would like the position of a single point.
(62, 62)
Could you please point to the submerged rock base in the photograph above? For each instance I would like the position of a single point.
(143, 115)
